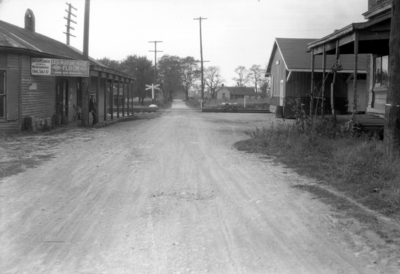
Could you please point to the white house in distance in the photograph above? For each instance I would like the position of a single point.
(232, 93)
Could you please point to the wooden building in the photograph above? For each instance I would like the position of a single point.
(289, 69)
(41, 80)
(231, 93)
(371, 37)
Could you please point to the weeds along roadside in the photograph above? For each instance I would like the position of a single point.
(333, 154)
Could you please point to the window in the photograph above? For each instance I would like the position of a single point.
(223, 95)
(2, 94)
(381, 73)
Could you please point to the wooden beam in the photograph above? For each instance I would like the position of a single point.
(376, 35)
(128, 93)
(123, 97)
(312, 81)
(118, 96)
(105, 96)
(97, 94)
(355, 75)
(112, 96)
(323, 83)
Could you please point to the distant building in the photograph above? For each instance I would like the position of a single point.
(289, 68)
(41, 80)
(231, 93)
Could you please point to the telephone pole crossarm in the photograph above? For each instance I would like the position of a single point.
(69, 20)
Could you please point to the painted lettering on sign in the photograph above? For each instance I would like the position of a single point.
(59, 67)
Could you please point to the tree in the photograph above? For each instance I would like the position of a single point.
(141, 69)
(243, 76)
(392, 113)
(264, 87)
(190, 73)
(170, 75)
(113, 64)
(256, 75)
(212, 80)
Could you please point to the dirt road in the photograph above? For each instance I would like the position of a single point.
(167, 194)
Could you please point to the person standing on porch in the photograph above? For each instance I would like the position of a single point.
(93, 108)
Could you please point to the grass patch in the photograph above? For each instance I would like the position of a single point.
(353, 165)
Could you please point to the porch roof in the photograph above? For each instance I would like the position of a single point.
(372, 36)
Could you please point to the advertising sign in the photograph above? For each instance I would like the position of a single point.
(59, 67)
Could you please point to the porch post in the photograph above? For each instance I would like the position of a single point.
(123, 96)
(97, 93)
(133, 95)
(323, 83)
(105, 97)
(312, 82)
(355, 74)
(112, 96)
(119, 79)
(128, 95)
(333, 82)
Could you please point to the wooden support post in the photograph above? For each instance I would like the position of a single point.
(333, 82)
(105, 97)
(355, 74)
(133, 95)
(97, 93)
(128, 93)
(323, 83)
(123, 96)
(118, 96)
(112, 97)
(312, 82)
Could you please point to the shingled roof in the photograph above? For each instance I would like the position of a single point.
(16, 39)
(296, 58)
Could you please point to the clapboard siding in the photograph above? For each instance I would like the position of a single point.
(10, 63)
(9, 127)
(41, 102)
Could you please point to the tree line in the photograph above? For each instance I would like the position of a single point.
(182, 74)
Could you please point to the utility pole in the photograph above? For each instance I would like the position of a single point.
(155, 65)
(69, 20)
(86, 80)
(201, 59)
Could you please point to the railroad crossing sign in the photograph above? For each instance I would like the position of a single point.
(152, 87)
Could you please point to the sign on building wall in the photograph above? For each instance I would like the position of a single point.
(59, 67)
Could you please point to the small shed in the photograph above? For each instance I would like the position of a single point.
(289, 68)
(232, 93)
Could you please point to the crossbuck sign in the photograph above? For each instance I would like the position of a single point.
(152, 87)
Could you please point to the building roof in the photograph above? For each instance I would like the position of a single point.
(239, 90)
(296, 58)
(22, 40)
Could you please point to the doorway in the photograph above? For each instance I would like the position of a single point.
(62, 100)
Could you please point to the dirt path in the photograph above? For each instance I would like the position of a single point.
(167, 195)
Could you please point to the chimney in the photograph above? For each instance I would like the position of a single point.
(29, 20)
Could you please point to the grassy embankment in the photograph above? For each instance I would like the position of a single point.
(354, 165)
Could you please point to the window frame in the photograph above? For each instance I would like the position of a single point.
(381, 83)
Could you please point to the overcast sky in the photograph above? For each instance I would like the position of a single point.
(236, 32)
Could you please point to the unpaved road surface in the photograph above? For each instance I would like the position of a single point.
(169, 194)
